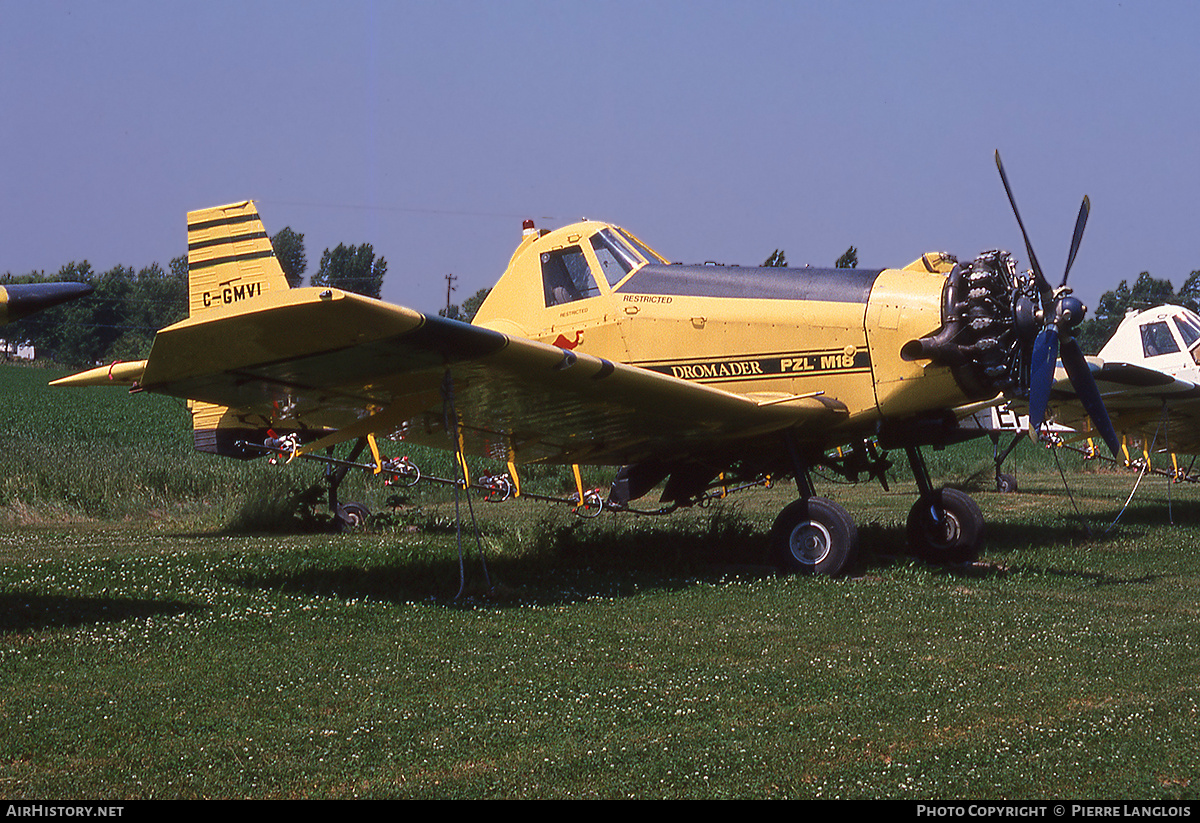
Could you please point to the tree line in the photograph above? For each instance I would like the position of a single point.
(119, 319)
(1145, 293)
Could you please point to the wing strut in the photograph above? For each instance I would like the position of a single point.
(452, 423)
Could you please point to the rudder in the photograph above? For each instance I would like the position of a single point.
(230, 258)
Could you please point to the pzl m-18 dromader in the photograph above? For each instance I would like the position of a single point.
(594, 349)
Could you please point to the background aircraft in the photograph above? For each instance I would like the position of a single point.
(23, 299)
(1149, 375)
(593, 349)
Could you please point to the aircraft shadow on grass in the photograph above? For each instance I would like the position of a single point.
(563, 565)
(29, 611)
(571, 563)
(1158, 512)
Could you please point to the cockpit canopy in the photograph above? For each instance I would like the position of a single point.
(566, 265)
(568, 276)
(1165, 330)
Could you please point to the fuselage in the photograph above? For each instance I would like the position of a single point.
(767, 332)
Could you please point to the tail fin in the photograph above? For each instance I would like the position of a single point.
(230, 258)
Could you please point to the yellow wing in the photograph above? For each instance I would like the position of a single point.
(337, 366)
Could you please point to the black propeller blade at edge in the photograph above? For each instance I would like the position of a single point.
(1085, 209)
(1085, 387)
(1042, 284)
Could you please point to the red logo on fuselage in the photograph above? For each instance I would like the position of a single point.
(564, 343)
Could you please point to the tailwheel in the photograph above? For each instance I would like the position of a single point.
(945, 526)
(814, 535)
(353, 515)
(1006, 483)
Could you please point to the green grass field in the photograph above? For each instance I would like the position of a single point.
(166, 630)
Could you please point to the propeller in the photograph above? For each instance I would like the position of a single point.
(1061, 315)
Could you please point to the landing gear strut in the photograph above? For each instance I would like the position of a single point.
(1005, 483)
(346, 516)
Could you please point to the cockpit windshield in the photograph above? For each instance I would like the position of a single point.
(1189, 329)
(615, 256)
(1188, 326)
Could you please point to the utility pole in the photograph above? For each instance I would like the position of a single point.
(450, 278)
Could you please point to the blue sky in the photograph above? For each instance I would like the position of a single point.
(714, 130)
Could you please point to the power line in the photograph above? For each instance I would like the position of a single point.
(405, 209)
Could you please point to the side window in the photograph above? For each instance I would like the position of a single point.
(1157, 339)
(566, 276)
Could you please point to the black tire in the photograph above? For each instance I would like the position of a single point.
(956, 533)
(814, 536)
(1006, 483)
(353, 515)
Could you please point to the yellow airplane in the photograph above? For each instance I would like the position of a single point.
(593, 349)
(23, 299)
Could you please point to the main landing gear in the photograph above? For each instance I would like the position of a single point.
(814, 535)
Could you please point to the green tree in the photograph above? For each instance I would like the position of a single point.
(156, 299)
(469, 308)
(848, 260)
(352, 268)
(1147, 291)
(1189, 292)
(776, 260)
(289, 251)
(117, 321)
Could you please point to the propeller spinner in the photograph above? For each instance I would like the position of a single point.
(1061, 315)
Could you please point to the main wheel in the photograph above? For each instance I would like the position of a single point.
(353, 515)
(945, 527)
(814, 536)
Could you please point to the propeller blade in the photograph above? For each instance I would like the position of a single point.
(1041, 375)
(1089, 395)
(1084, 209)
(1042, 284)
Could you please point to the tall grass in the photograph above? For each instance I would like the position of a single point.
(100, 453)
(105, 454)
